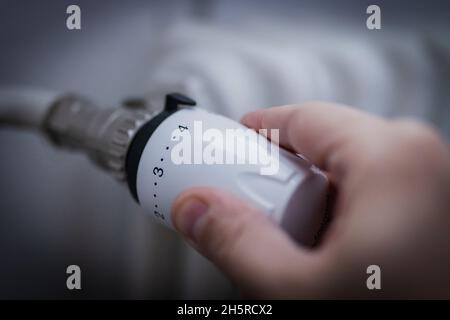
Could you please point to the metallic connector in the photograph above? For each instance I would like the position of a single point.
(104, 134)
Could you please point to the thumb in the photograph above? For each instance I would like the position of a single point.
(243, 242)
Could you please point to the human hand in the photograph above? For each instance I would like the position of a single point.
(392, 209)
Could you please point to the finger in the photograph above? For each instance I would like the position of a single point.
(243, 242)
(319, 131)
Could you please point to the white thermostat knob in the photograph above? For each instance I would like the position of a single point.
(187, 147)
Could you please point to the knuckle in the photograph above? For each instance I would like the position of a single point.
(223, 230)
(397, 146)
(420, 139)
(228, 244)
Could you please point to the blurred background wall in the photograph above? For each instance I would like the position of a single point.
(56, 209)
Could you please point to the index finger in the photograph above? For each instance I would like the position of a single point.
(317, 130)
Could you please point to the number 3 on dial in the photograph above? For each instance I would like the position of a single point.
(158, 171)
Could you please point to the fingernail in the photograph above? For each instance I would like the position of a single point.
(188, 216)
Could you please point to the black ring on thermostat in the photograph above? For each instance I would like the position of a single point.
(173, 101)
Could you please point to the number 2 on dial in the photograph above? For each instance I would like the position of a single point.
(159, 215)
